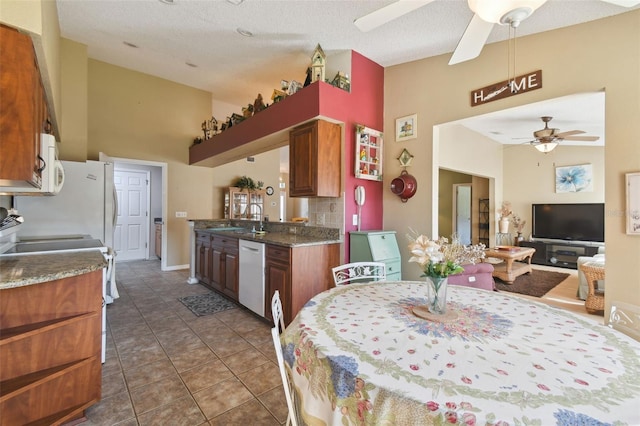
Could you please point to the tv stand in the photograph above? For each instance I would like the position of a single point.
(557, 253)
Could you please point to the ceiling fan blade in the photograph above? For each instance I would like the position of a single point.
(388, 13)
(581, 138)
(568, 133)
(624, 3)
(472, 41)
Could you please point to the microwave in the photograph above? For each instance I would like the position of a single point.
(52, 173)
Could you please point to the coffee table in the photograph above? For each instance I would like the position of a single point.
(508, 271)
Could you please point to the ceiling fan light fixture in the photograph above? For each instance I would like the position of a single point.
(507, 12)
(546, 147)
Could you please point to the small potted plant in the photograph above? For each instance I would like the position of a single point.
(249, 184)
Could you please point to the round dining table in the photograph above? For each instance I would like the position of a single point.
(358, 355)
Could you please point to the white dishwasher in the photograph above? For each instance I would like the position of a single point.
(251, 276)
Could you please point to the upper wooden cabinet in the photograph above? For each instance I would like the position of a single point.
(314, 160)
(24, 111)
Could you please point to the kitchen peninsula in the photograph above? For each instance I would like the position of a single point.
(298, 260)
(50, 336)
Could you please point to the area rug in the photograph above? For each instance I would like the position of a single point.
(207, 304)
(537, 283)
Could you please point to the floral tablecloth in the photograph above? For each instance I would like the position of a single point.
(359, 356)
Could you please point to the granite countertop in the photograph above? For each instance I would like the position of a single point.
(278, 238)
(22, 270)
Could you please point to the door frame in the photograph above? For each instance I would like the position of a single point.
(454, 206)
(165, 209)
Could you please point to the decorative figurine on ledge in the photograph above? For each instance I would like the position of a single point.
(341, 81)
(210, 128)
(258, 104)
(278, 95)
(294, 86)
(247, 111)
(318, 63)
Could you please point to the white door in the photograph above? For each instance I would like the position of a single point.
(132, 226)
(462, 211)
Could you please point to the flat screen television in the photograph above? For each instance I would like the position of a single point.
(579, 222)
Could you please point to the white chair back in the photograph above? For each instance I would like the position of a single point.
(359, 271)
(278, 321)
(625, 318)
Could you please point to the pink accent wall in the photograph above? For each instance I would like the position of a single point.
(363, 105)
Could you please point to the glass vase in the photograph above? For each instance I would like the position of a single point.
(437, 295)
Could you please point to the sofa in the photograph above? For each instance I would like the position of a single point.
(478, 275)
(583, 286)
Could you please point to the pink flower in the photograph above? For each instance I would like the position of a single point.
(375, 339)
(432, 406)
(411, 351)
(466, 380)
(451, 417)
(343, 330)
(581, 382)
(572, 363)
(604, 370)
(469, 419)
(451, 365)
(452, 405)
(451, 352)
(538, 366)
(376, 352)
(543, 387)
(414, 367)
(504, 373)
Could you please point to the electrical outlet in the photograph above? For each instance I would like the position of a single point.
(355, 220)
(181, 214)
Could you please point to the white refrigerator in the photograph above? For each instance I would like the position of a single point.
(86, 205)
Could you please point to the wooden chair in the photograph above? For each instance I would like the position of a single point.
(359, 271)
(278, 321)
(625, 318)
(595, 298)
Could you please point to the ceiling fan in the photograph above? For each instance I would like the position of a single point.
(486, 14)
(548, 138)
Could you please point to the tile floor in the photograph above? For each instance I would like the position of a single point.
(165, 366)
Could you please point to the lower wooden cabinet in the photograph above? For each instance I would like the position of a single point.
(224, 265)
(50, 346)
(203, 257)
(298, 273)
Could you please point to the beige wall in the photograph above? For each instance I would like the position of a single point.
(583, 58)
(136, 116)
(74, 133)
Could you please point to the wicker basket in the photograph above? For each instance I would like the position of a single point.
(595, 298)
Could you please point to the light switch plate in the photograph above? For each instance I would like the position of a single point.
(181, 214)
(355, 220)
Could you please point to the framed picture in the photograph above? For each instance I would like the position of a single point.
(633, 203)
(407, 127)
(574, 178)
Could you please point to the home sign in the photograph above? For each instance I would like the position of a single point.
(504, 89)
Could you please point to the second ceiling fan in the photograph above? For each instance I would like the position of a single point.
(548, 138)
(486, 14)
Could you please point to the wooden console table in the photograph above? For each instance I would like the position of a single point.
(508, 271)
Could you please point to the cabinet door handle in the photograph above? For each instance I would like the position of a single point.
(43, 164)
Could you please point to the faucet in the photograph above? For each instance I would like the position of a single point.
(259, 206)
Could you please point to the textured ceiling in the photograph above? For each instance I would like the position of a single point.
(234, 68)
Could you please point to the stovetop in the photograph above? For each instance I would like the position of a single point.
(54, 244)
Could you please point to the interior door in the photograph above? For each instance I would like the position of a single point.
(132, 226)
(462, 212)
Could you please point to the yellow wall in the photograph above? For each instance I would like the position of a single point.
(597, 55)
(74, 133)
(134, 115)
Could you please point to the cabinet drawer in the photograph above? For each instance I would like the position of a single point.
(278, 254)
(229, 244)
(393, 267)
(384, 246)
(203, 237)
(396, 276)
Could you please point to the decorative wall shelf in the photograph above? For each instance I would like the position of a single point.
(368, 153)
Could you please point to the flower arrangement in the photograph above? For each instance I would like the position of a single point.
(505, 210)
(518, 223)
(439, 258)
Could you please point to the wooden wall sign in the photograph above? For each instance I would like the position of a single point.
(521, 84)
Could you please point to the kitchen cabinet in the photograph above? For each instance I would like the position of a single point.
(242, 204)
(50, 350)
(314, 166)
(377, 246)
(203, 257)
(24, 111)
(158, 244)
(224, 265)
(298, 273)
(369, 144)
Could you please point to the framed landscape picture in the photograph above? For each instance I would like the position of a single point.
(633, 203)
(407, 127)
